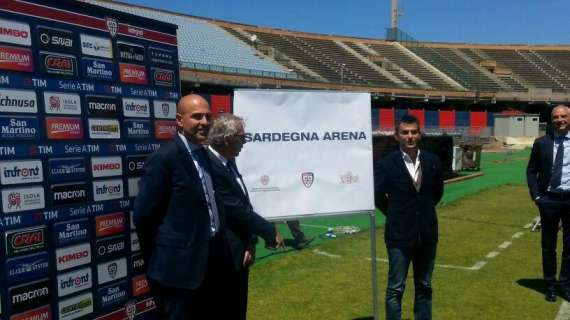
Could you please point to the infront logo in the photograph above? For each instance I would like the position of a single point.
(74, 281)
(107, 190)
(138, 108)
(25, 171)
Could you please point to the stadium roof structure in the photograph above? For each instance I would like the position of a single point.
(241, 55)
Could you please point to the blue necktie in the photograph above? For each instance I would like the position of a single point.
(556, 178)
(200, 156)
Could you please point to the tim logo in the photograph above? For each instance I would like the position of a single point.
(59, 64)
(307, 178)
(162, 77)
(132, 73)
(64, 128)
(112, 25)
(16, 59)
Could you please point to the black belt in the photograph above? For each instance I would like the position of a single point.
(559, 195)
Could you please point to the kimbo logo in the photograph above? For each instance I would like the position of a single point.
(73, 256)
(15, 32)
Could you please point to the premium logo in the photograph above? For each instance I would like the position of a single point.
(15, 32)
(164, 130)
(29, 295)
(130, 52)
(75, 307)
(72, 256)
(67, 169)
(74, 281)
(133, 184)
(41, 313)
(69, 232)
(135, 244)
(104, 129)
(164, 109)
(22, 199)
(56, 39)
(136, 129)
(111, 270)
(69, 193)
(16, 59)
(106, 166)
(138, 108)
(162, 77)
(98, 69)
(20, 101)
(107, 190)
(135, 165)
(140, 285)
(110, 247)
(132, 73)
(60, 64)
(19, 127)
(307, 178)
(112, 294)
(161, 56)
(137, 264)
(96, 46)
(64, 128)
(21, 171)
(27, 267)
(101, 106)
(62, 103)
(25, 240)
(109, 224)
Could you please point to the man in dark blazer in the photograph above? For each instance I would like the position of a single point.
(180, 221)
(226, 139)
(408, 184)
(548, 179)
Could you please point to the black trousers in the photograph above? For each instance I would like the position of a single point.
(553, 211)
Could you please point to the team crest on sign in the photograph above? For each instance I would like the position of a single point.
(112, 25)
(307, 178)
(131, 309)
(264, 179)
(165, 109)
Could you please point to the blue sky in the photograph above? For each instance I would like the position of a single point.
(472, 21)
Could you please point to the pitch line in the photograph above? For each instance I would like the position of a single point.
(564, 312)
(492, 254)
(326, 254)
(314, 226)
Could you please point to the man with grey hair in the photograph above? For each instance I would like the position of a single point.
(226, 139)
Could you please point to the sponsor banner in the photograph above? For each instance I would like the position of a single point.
(135, 244)
(133, 185)
(16, 59)
(21, 171)
(96, 46)
(25, 240)
(101, 106)
(41, 313)
(112, 295)
(62, 103)
(72, 256)
(137, 264)
(165, 130)
(15, 32)
(67, 169)
(74, 281)
(29, 295)
(135, 165)
(130, 52)
(111, 270)
(106, 166)
(132, 310)
(98, 69)
(104, 129)
(58, 64)
(22, 199)
(163, 77)
(138, 108)
(27, 268)
(164, 109)
(68, 193)
(56, 39)
(140, 285)
(132, 220)
(75, 307)
(161, 56)
(19, 127)
(18, 101)
(132, 73)
(110, 247)
(70, 232)
(136, 129)
(59, 128)
(109, 224)
(107, 189)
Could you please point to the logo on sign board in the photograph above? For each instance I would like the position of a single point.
(162, 77)
(104, 129)
(109, 247)
(348, 178)
(64, 128)
(74, 281)
(67, 169)
(109, 224)
(19, 127)
(264, 179)
(107, 190)
(16, 59)
(41, 313)
(15, 32)
(22, 199)
(56, 39)
(307, 178)
(76, 306)
(96, 46)
(25, 171)
(164, 109)
(132, 73)
(164, 130)
(112, 270)
(140, 285)
(63, 194)
(30, 294)
(69, 232)
(131, 309)
(18, 101)
(138, 108)
(106, 166)
(161, 56)
(131, 52)
(98, 69)
(101, 106)
(25, 241)
(112, 25)
(136, 128)
(62, 103)
(73, 256)
(27, 267)
(59, 64)
(112, 294)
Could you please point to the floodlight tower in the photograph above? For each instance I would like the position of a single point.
(395, 15)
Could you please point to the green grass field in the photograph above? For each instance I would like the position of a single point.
(487, 265)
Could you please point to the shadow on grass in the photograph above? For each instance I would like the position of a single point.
(363, 318)
(537, 285)
(289, 247)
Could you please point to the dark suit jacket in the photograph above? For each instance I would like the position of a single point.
(409, 214)
(172, 219)
(539, 168)
(242, 223)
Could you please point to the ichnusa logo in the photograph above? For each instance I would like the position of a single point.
(112, 270)
(72, 256)
(106, 166)
(21, 171)
(22, 199)
(104, 129)
(136, 108)
(75, 307)
(74, 281)
(132, 73)
(27, 268)
(164, 109)
(107, 190)
(62, 103)
(109, 224)
(18, 101)
(15, 32)
(25, 240)
(96, 46)
(19, 127)
(16, 59)
(69, 232)
(29, 295)
(56, 39)
(59, 128)
(67, 169)
(59, 64)
(69, 193)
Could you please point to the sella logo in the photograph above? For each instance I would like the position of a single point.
(64, 128)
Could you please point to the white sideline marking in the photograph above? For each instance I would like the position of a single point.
(505, 244)
(326, 254)
(564, 312)
(517, 235)
(492, 254)
(527, 226)
(474, 267)
(314, 226)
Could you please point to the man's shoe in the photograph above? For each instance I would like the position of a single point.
(565, 294)
(301, 244)
(550, 294)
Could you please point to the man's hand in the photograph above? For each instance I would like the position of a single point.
(279, 243)
(248, 258)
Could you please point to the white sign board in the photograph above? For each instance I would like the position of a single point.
(307, 152)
